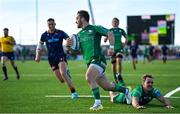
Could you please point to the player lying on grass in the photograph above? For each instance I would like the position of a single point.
(142, 94)
(56, 56)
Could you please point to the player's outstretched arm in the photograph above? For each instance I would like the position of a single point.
(135, 103)
(166, 102)
(38, 52)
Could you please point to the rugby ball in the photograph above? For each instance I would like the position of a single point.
(75, 42)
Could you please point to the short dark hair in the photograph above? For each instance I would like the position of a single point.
(6, 29)
(50, 19)
(115, 18)
(84, 14)
(146, 76)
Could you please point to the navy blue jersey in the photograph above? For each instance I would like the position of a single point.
(134, 49)
(151, 50)
(54, 42)
(164, 50)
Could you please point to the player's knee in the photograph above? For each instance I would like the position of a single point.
(120, 56)
(119, 60)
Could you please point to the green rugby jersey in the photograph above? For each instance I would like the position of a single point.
(118, 33)
(145, 98)
(145, 52)
(90, 42)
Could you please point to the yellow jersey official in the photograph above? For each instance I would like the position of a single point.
(7, 43)
(6, 46)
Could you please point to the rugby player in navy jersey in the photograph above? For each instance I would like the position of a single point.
(164, 50)
(56, 56)
(134, 50)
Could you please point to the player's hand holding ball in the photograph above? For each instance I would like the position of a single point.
(69, 42)
(73, 44)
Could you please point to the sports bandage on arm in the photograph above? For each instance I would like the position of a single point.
(39, 46)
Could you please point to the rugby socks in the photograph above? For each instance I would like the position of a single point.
(96, 93)
(17, 73)
(119, 88)
(5, 71)
(120, 79)
(115, 78)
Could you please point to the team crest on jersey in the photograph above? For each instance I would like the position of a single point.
(90, 31)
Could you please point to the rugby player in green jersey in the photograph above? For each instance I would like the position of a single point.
(117, 57)
(90, 40)
(145, 53)
(142, 94)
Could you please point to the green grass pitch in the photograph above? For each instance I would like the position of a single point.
(27, 95)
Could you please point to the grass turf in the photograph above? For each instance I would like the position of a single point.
(27, 95)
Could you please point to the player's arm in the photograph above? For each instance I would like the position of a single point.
(135, 103)
(38, 51)
(126, 38)
(110, 37)
(13, 42)
(166, 102)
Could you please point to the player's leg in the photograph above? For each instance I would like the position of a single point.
(113, 61)
(56, 71)
(4, 69)
(164, 58)
(11, 58)
(63, 71)
(148, 58)
(107, 86)
(119, 58)
(134, 61)
(112, 95)
(116, 97)
(91, 75)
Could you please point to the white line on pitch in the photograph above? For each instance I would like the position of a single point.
(88, 96)
(82, 96)
(172, 92)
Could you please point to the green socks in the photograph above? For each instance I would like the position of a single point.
(96, 93)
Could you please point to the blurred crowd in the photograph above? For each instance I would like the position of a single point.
(27, 52)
